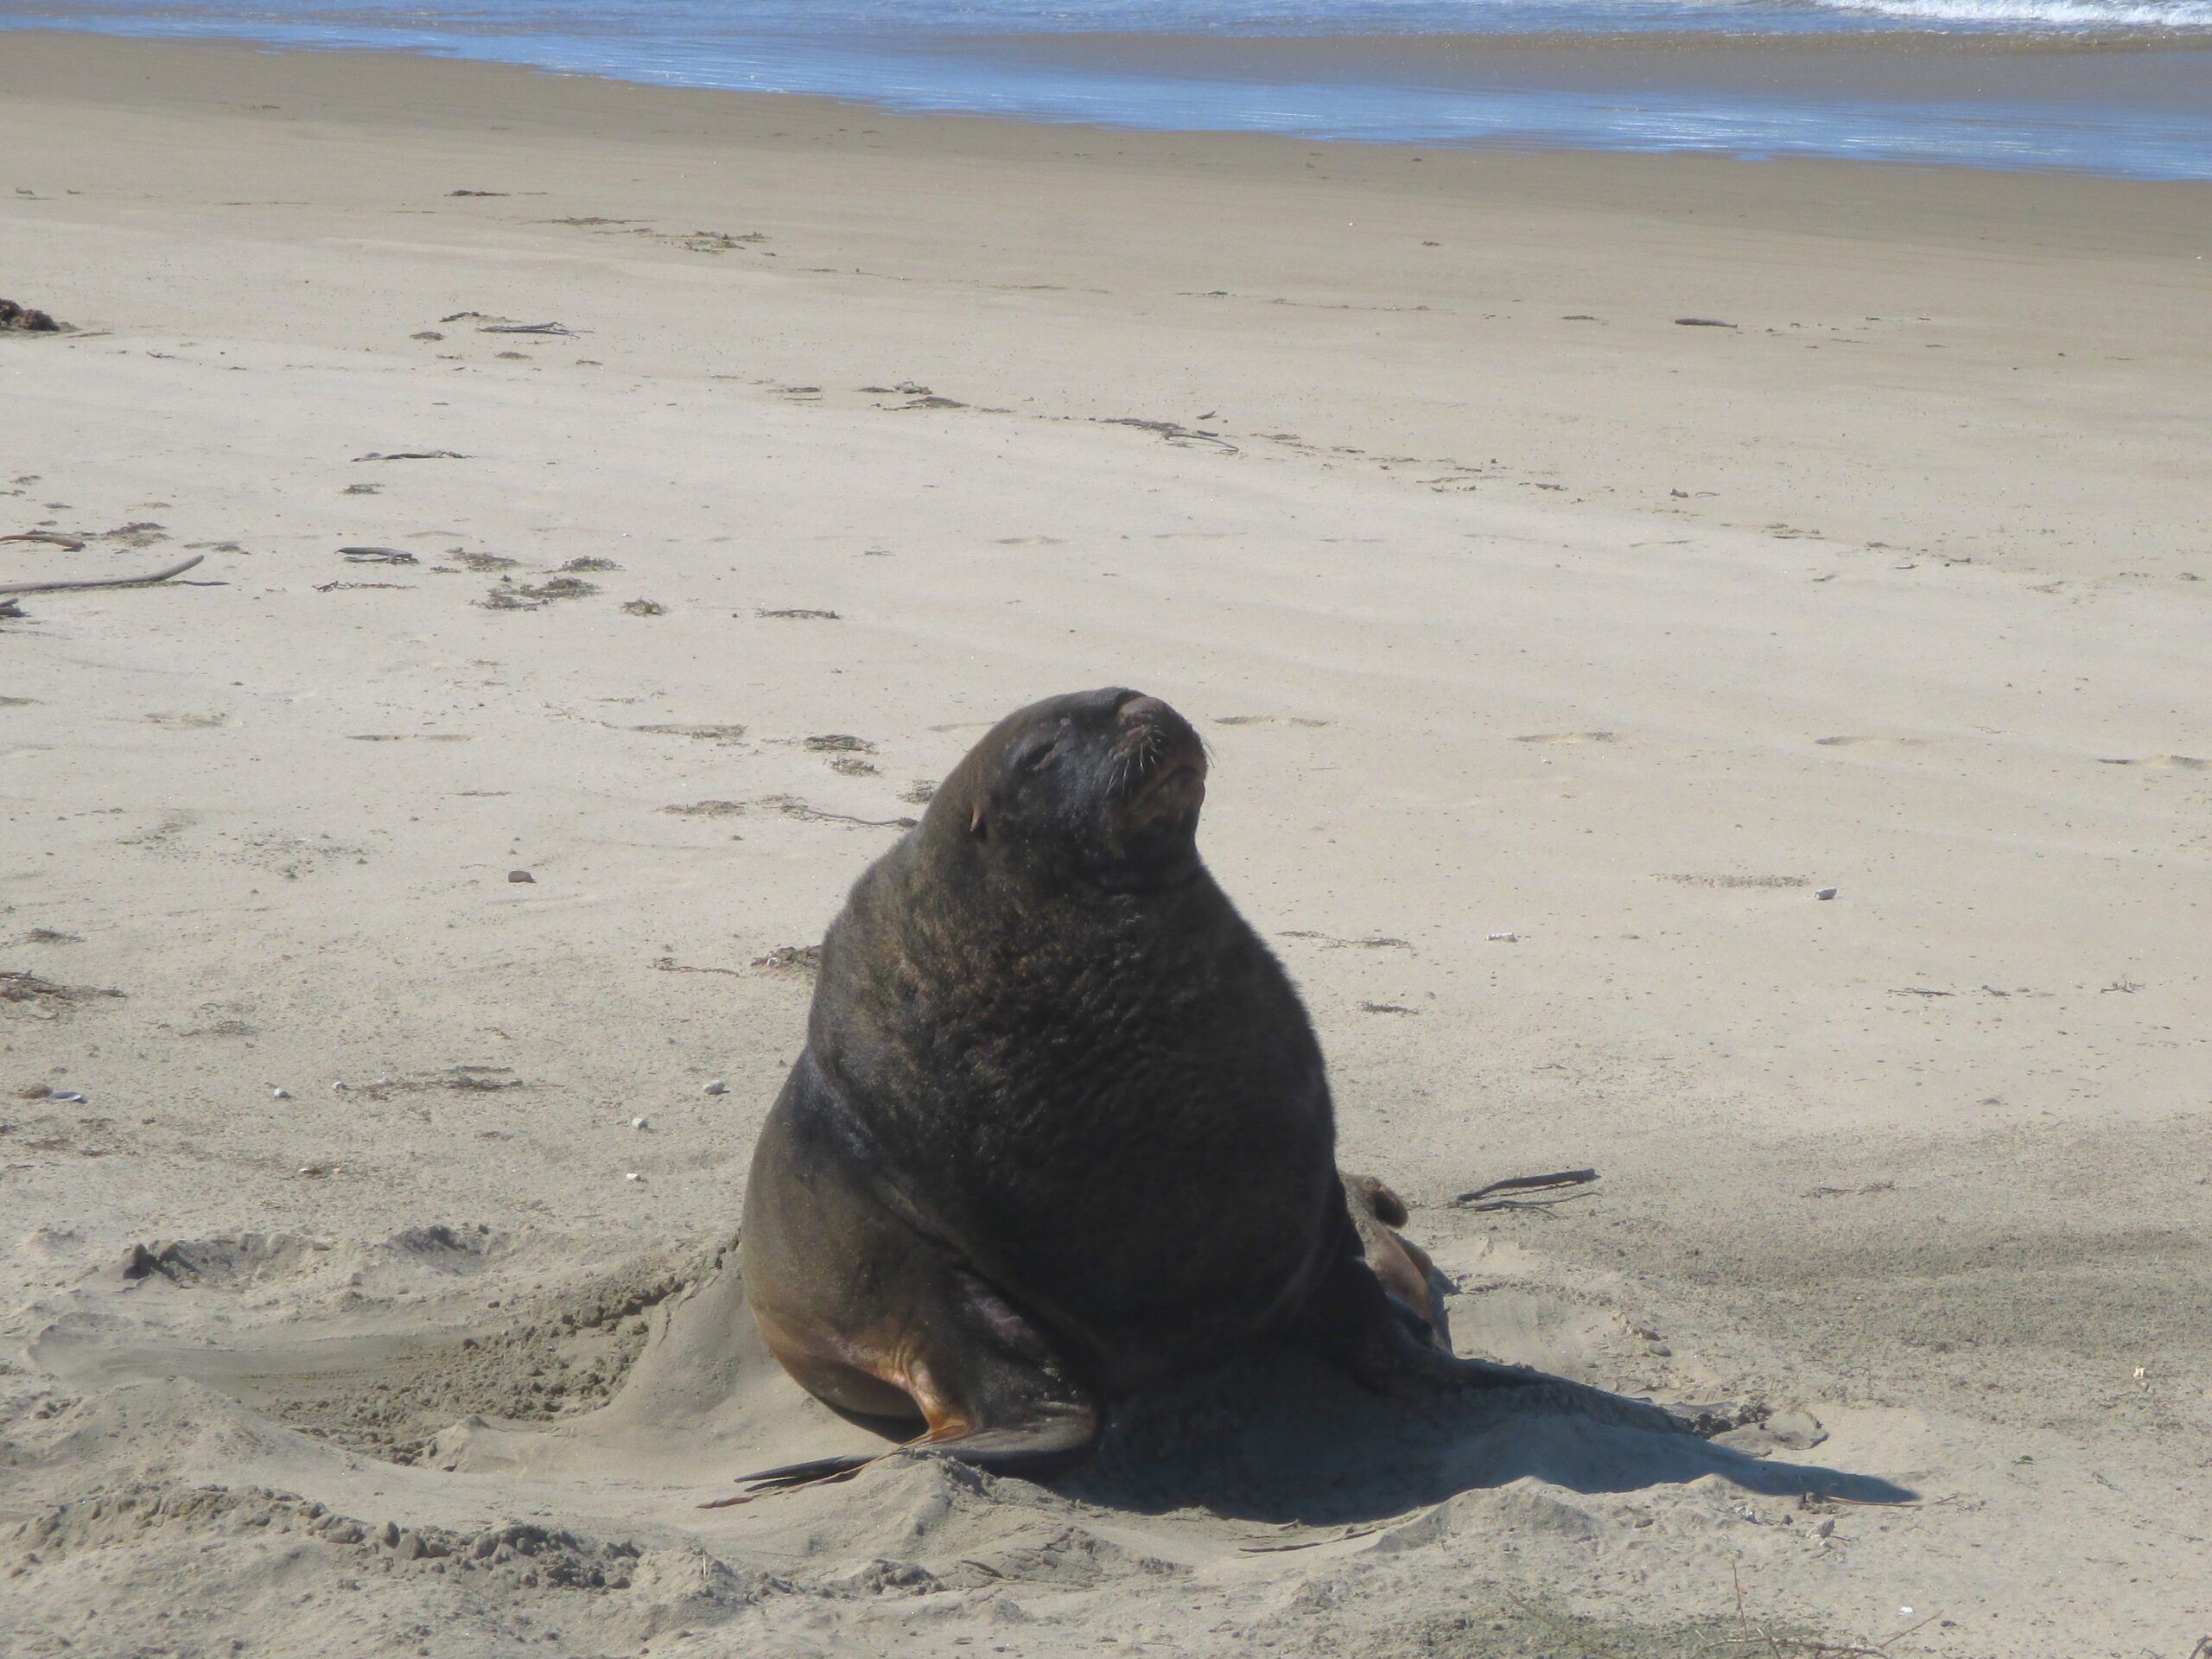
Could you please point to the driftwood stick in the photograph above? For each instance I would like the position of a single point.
(100, 581)
(1486, 1198)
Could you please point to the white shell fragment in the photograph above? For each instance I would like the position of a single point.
(280, 1094)
(1824, 893)
(717, 1087)
(1505, 938)
(639, 1123)
(633, 1176)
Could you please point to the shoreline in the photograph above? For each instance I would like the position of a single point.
(2126, 105)
(359, 82)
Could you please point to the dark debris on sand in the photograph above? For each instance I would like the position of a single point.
(26, 320)
(802, 959)
(44, 998)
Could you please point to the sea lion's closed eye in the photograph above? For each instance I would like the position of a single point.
(1033, 753)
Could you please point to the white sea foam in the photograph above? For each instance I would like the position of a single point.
(2058, 14)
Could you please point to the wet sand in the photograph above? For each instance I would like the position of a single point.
(1510, 606)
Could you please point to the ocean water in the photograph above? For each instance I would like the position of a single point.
(2116, 86)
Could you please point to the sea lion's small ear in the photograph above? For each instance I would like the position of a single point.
(975, 824)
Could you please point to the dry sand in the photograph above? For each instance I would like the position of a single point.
(1511, 607)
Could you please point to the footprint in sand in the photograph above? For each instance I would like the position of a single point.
(1570, 737)
(1735, 881)
(703, 733)
(161, 838)
(1331, 942)
(2163, 762)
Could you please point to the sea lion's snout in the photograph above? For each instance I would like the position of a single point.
(1159, 760)
(1158, 736)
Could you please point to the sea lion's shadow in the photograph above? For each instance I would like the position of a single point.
(1283, 1437)
(1278, 1436)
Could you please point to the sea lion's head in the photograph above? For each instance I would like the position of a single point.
(1101, 785)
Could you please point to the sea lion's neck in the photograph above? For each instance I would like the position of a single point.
(1041, 929)
(930, 944)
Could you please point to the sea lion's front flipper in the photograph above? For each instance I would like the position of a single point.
(1025, 1422)
(1055, 1440)
(880, 1316)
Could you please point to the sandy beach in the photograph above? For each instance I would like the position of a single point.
(1578, 564)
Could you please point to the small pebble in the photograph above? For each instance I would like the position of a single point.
(633, 1176)
(339, 1087)
(280, 1094)
(639, 1123)
(718, 1087)
(1824, 893)
(521, 875)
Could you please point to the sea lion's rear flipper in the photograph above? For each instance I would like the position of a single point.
(1402, 1266)
(1350, 1319)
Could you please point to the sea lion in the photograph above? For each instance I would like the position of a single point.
(1062, 1129)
